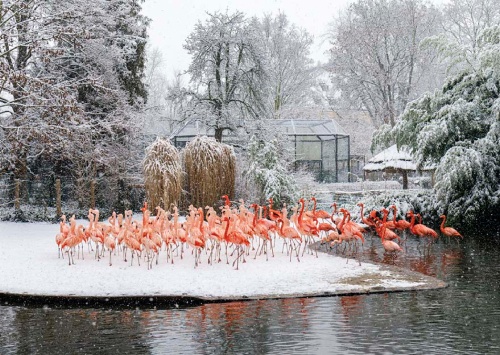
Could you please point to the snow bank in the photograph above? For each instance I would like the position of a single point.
(30, 265)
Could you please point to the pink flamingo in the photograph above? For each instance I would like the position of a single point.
(420, 229)
(448, 231)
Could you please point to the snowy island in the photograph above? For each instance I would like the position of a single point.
(33, 272)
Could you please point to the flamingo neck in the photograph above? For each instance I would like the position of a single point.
(227, 228)
(443, 222)
(301, 211)
(282, 224)
(202, 218)
(412, 221)
(255, 208)
(341, 224)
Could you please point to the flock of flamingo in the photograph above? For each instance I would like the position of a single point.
(236, 232)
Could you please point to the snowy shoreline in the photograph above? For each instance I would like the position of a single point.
(31, 269)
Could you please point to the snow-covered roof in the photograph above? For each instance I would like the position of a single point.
(309, 127)
(391, 158)
(306, 127)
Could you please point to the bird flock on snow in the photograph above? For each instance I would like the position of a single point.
(237, 232)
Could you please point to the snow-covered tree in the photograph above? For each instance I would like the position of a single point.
(462, 23)
(225, 72)
(376, 62)
(458, 129)
(73, 71)
(290, 74)
(162, 113)
(269, 170)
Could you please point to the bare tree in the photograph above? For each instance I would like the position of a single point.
(71, 77)
(225, 72)
(156, 81)
(290, 74)
(376, 61)
(462, 23)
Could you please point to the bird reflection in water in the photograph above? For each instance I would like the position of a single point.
(450, 259)
(352, 306)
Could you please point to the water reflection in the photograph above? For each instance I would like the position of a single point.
(462, 318)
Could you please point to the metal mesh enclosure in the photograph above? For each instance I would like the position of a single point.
(321, 146)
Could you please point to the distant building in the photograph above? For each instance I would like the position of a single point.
(320, 145)
(359, 126)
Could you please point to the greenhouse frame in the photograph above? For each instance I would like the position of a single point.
(321, 146)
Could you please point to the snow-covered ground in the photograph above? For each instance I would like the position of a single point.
(29, 264)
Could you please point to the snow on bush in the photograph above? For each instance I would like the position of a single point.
(268, 168)
(457, 128)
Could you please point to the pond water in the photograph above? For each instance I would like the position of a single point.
(463, 318)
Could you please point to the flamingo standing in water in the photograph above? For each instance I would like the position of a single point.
(368, 221)
(420, 229)
(318, 214)
(448, 231)
(389, 246)
(402, 224)
(386, 231)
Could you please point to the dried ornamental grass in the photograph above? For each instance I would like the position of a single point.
(162, 174)
(210, 170)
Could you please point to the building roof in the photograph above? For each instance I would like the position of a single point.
(303, 127)
(309, 127)
(391, 158)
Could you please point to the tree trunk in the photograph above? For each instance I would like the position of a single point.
(58, 198)
(405, 180)
(218, 134)
(17, 192)
(92, 193)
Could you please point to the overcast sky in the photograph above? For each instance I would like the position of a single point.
(173, 21)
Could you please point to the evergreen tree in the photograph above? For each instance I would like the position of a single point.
(458, 130)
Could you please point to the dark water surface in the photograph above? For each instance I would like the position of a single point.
(461, 319)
